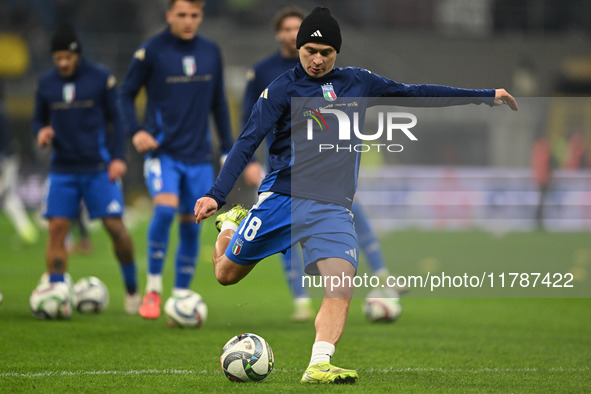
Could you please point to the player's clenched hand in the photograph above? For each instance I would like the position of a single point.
(45, 136)
(117, 168)
(503, 97)
(144, 142)
(204, 208)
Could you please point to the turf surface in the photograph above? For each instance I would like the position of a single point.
(438, 344)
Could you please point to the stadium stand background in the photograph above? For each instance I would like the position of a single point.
(466, 43)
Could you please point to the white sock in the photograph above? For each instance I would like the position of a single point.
(321, 352)
(228, 225)
(180, 293)
(382, 273)
(154, 283)
(301, 301)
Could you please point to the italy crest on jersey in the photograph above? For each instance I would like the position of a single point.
(328, 92)
(237, 247)
(69, 92)
(189, 65)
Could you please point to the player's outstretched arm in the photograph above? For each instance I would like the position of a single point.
(503, 97)
(204, 208)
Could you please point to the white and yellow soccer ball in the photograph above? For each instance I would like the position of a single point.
(247, 357)
(90, 295)
(381, 306)
(52, 301)
(187, 311)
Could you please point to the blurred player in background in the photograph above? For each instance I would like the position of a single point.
(542, 167)
(317, 214)
(183, 77)
(286, 25)
(79, 241)
(9, 165)
(76, 113)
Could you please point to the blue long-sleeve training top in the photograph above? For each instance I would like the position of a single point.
(297, 168)
(260, 76)
(82, 110)
(184, 83)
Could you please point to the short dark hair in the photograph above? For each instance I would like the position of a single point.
(286, 13)
(171, 2)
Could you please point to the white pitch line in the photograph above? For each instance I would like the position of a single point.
(369, 371)
(474, 370)
(103, 372)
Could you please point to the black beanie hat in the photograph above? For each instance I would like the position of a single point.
(321, 27)
(65, 39)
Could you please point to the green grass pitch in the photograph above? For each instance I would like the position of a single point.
(438, 345)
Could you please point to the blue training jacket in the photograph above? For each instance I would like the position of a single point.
(184, 83)
(296, 166)
(260, 76)
(83, 113)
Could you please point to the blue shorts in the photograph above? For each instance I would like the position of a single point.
(102, 197)
(276, 222)
(187, 181)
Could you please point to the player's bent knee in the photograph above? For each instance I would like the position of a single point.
(228, 272)
(226, 279)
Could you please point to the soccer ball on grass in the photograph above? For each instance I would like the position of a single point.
(382, 307)
(51, 301)
(188, 310)
(247, 357)
(90, 295)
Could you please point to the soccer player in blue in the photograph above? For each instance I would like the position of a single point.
(286, 25)
(76, 113)
(182, 73)
(313, 208)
